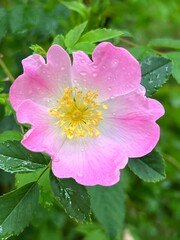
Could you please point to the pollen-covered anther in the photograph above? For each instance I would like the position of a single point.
(78, 113)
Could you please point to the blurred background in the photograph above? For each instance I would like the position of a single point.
(152, 210)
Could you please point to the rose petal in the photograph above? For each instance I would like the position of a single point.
(42, 82)
(90, 161)
(134, 105)
(113, 71)
(44, 134)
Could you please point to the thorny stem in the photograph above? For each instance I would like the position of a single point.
(5, 69)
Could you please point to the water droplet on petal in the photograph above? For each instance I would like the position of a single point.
(82, 149)
(94, 66)
(80, 175)
(109, 88)
(62, 68)
(83, 73)
(94, 74)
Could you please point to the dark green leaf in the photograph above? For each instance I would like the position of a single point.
(149, 168)
(10, 135)
(72, 197)
(42, 176)
(16, 18)
(155, 72)
(165, 43)
(108, 206)
(99, 35)
(15, 158)
(175, 58)
(17, 209)
(73, 35)
(3, 21)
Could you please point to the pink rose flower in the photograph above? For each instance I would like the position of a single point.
(89, 116)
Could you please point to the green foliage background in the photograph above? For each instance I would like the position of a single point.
(152, 209)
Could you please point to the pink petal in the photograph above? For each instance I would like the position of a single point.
(90, 161)
(41, 82)
(130, 120)
(113, 71)
(44, 135)
(134, 105)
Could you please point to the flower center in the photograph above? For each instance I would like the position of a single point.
(78, 114)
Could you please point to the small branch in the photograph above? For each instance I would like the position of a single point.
(172, 160)
(128, 42)
(5, 69)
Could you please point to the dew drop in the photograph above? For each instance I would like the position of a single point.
(158, 76)
(114, 114)
(95, 66)
(83, 73)
(94, 74)
(109, 88)
(80, 175)
(62, 68)
(82, 149)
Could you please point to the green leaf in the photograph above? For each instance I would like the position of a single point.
(73, 35)
(38, 50)
(108, 206)
(10, 135)
(4, 100)
(59, 39)
(149, 168)
(77, 7)
(140, 52)
(17, 209)
(175, 58)
(3, 21)
(87, 47)
(155, 72)
(15, 158)
(99, 35)
(16, 18)
(165, 43)
(72, 197)
(42, 176)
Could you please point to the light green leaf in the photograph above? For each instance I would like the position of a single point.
(86, 47)
(155, 72)
(59, 39)
(108, 206)
(72, 197)
(175, 58)
(17, 209)
(73, 35)
(77, 7)
(10, 135)
(38, 50)
(99, 35)
(15, 158)
(42, 177)
(165, 43)
(149, 168)
(4, 100)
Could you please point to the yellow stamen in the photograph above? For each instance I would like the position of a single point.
(78, 113)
